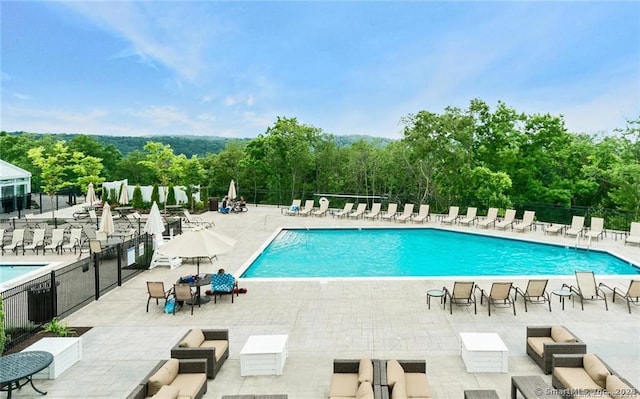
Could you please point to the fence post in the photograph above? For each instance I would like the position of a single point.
(54, 294)
(119, 252)
(96, 275)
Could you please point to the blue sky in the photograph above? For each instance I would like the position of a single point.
(231, 68)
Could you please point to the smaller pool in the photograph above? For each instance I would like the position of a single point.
(11, 271)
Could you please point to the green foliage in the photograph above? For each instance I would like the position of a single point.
(171, 195)
(113, 195)
(58, 328)
(105, 195)
(155, 194)
(136, 198)
(3, 336)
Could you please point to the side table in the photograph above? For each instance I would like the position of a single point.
(481, 394)
(436, 294)
(562, 293)
(532, 387)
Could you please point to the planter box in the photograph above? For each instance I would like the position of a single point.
(66, 352)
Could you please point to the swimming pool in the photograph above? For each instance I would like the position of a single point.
(11, 271)
(412, 252)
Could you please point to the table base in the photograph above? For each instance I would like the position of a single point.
(17, 385)
(200, 300)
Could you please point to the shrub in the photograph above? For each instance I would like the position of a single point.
(136, 200)
(58, 328)
(171, 196)
(155, 194)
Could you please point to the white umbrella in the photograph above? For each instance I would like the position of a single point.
(232, 190)
(91, 195)
(197, 244)
(155, 224)
(124, 196)
(106, 220)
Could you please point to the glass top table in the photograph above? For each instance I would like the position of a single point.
(22, 366)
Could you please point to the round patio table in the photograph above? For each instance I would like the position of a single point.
(437, 294)
(200, 282)
(22, 366)
(562, 293)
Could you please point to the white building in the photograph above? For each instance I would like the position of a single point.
(15, 185)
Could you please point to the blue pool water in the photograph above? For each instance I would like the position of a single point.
(9, 272)
(420, 252)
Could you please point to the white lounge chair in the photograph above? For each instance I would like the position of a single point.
(527, 221)
(345, 211)
(375, 211)
(294, 208)
(492, 216)
(392, 209)
(470, 218)
(596, 230)
(56, 241)
(359, 212)
(37, 241)
(308, 207)
(75, 239)
(322, 211)
(509, 217)
(634, 234)
(406, 214)
(161, 260)
(577, 225)
(190, 221)
(423, 214)
(587, 289)
(554, 228)
(17, 240)
(453, 215)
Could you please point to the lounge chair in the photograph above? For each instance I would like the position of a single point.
(359, 212)
(527, 221)
(499, 296)
(470, 218)
(423, 214)
(156, 291)
(223, 284)
(345, 211)
(375, 211)
(557, 228)
(183, 293)
(37, 241)
(596, 231)
(322, 211)
(392, 209)
(545, 341)
(308, 207)
(634, 234)
(163, 260)
(536, 292)
(577, 226)
(294, 208)
(2, 239)
(194, 221)
(632, 295)
(17, 241)
(509, 218)
(587, 289)
(453, 215)
(406, 214)
(492, 215)
(461, 294)
(56, 241)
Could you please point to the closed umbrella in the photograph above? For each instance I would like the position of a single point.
(91, 194)
(197, 244)
(124, 196)
(232, 190)
(106, 220)
(155, 224)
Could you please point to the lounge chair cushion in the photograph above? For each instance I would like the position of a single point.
(575, 378)
(365, 391)
(365, 370)
(560, 334)
(395, 373)
(417, 385)
(537, 344)
(220, 346)
(189, 384)
(399, 390)
(618, 389)
(596, 370)
(164, 376)
(167, 392)
(343, 385)
(194, 339)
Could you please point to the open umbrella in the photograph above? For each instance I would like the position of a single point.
(124, 196)
(155, 224)
(91, 195)
(232, 190)
(197, 244)
(106, 220)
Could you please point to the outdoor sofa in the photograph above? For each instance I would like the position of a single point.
(407, 379)
(357, 379)
(173, 378)
(211, 345)
(545, 341)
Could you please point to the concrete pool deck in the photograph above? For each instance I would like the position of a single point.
(330, 319)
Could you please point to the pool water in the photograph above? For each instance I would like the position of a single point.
(418, 253)
(9, 272)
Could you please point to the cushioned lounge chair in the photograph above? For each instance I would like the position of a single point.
(490, 219)
(423, 214)
(631, 295)
(453, 215)
(156, 291)
(392, 209)
(359, 212)
(536, 292)
(634, 234)
(527, 221)
(507, 221)
(345, 211)
(211, 345)
(470, 217)
(294, 208)
(37, 241)
(545, 341)
(56, 241)
(223, 284)
(596, 230)
(17, 241)
(461, 294)
(375, 211)
(576, 228)
(587, 289)
(406, 214)
(499, 296)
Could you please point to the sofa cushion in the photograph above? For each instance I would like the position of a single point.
(343, 385)
(167, 392)
(417, 385)
(399, 390)
(596, 369)
(574, 378)
(560, 334)
(395, 373)
(193, 339)
(537, 344)
(164, 376)
(189, 384)
(618, 389)
(220, 346)
(365, 370)
(365, 391)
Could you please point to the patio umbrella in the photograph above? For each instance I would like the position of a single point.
(197, 244)
(106, 220)
(124, 196)
(155, 224)
(91, 195)
(232, 190)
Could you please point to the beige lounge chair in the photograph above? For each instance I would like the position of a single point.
(423, 214)
(499, 296)
(596, 231)
(461, 294)
(191, 221)
(17, 241)
(492, 216)
(37, 241)
(359, 212)
(322, 210)
(577, 225)
(509, 218)
(375, 211)
(536, 292)
(406, 214)
(294, 208)
(554, 228)
(470, 218)
(345, 211)
(392, 209)
(75, 237)
(453, 215)
(632, 295)
(56, 241)
(527, 221)
(634, 234)
(308, 207)
(587, 289)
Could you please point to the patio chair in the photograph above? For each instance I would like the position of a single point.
(536, 292)
(527, 221)
(577, 226)
(324, 208)
(156, 291)
(509, 218)
(93, 220)
(492, 215)
(345, 211)
(75, 237)
(359, 212)
(423, 214)
(223, 284)
(193, 221)
(557, 228)
(294, 208)
(634, 234)
(453, 215)
(587, 289)
(632, 295)
(17, 240)
(37, 241)
(543, 342)
(407, 213)
(209, 344)
(56, 241)
(470, 218)
(375, 211)
(461, 294)
(184, 295)
(308, 207)
(392, 209)
(596, 231)
(499, 296)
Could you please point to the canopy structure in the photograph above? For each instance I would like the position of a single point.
(15, 187)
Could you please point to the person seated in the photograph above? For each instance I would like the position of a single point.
(241, 205)
(225, 208)
(223, 283)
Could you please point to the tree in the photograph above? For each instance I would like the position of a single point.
(55, 166)
(136, 198)
(155, 194)
(171, 195)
